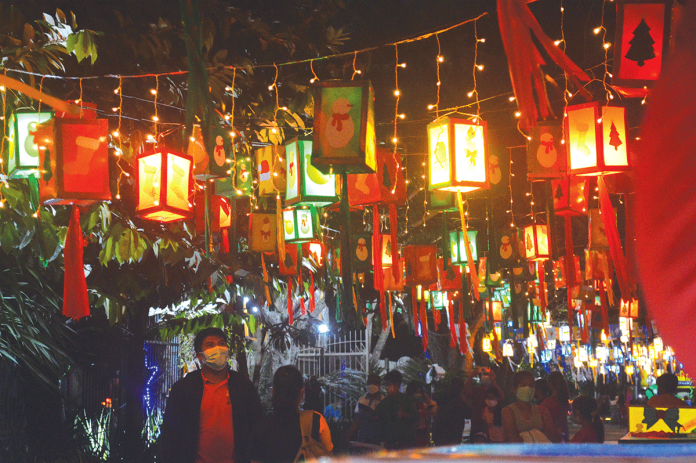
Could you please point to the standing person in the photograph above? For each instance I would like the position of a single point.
(541, 390)
(210, 412)
(396, 414)
(585, 413)
(524, 421)
(449, 422)
(487, 425)
(365, 422)
(279, 437)
(667, 385)
(558, 403)
(314, 397)
(426, 408)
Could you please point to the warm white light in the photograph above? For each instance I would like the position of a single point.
(397, 93)
(518, 114)
(440, 59)
(596, 30)
(153, 91)
(480, 67)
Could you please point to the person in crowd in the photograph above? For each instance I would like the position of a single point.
(426, 408)
(524, 421)
(586, 414)
(397, 414)
(314, 397)
(487, 424)
(557, 402)
(210, 412)
(332, 412)
(278, 437)
(541, 390)
(622, 410)
(667, 385)
(449, 421)
(365, 422)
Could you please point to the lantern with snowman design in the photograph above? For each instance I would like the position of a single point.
(546, 155)
(211, 161)
(301, 224)
(262, 232)
(306, 185)
(23, 150)
(344, 127)
(361, 257)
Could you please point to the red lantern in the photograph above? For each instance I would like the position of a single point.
(164, 185)
(536, 242)
(546, 153)
(496, 311)
(643, 33)
(559, 272)
(288, 266)
(421, 264)
(449, 279)
(74, 161)
(390, 283)
(596, 139)
(315, 250)
(385, 186)
(570, 196)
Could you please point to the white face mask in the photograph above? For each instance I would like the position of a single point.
(491, 403)
(372, 389)
(216, 357)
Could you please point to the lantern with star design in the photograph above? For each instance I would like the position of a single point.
(457, 157)
(344, 127)
(458, 246)
(546, 154)
(536, 243)
(596, 139)
(570, 196)
(301, 224)
(262, 232)
(305, 184)
(23, 150)
(164, 186)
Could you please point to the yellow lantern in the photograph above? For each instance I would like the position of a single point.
(164, 186)
(630, 370)
(486, 344)
(657, 343)
(457, 155)
(596, 139)
(536, 242)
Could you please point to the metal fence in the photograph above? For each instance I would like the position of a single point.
(161, 362)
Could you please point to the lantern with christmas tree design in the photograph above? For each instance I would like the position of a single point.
(271, 169)
(570, 196)
(344, 127)
(164, 186)
(596, 139)
(421, 264)
(23, 149)
(288, 265)
(546, 154)
(262, 232)
(385, 186)
(387, 251)
(536, 242)
(305, 184)
(458, 246)
(450, 278)
(457, 158)
(629, 308)
(301, 224)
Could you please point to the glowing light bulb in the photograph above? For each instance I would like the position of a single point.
(596, 30)
(116, 91)
(192, 138)
(397, 93)
(482, 40)
(606, 46)
(402, 65)
(312, 80)
(440, 59)
(270, 87)
(470, 94)
(431, 106)
(480, 67)
(155, 118)
(557, 42)
(518, 114)
(153, 91)
(115, 133)
(394, 140)
(512, 98)
(402, 116)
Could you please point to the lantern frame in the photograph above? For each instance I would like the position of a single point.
(574, 202)
(486, 344)
(536, 232)
(537, 171)
(306, 192)
(295, 216)
(496, 311)
(162, 204)
(413, 255)
(256, 223)
(452, 175)
(599, 114)
(458, 246)
(364, 160)
(17, 167)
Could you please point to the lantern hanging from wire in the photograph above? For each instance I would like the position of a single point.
(570, 196)
(305, 184)
(458, 246)
(536, 243)
(301, 225)
(164, 185)
(262, 232)
(546, 154)
(271, 170)
(421, 264)
(508, 349)
(23, 148)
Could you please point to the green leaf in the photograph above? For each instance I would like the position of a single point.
(61, 16)
(71, 42)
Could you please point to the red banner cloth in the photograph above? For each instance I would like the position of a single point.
(453, 330)
(290, 307)
(75, 300)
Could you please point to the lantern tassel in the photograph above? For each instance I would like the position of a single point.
(225, 241)
(453, 330)
(393, 228)
(437, 319)
(312, 302)
(603, 303)
(265, 279)
(75, 299)
(280, 237)
(467, 246)
(424, 324)
(391, 314)
(290, 302)
(301, 288)
(414, 304)
(617, 255)
(463, 343)
(570, 269)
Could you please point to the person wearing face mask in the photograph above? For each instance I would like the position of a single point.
(210, 412)
(524, 421)
(426, 407)
(487, 424)
(365, 422)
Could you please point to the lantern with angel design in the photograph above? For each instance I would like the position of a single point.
(306, 185)
(457, 157)
(164, 186)
(23, 149)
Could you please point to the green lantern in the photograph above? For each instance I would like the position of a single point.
(344, 127)
(361, 257)
(441, 201)
(534, 313)
(459, 248)
(23, 152)
(301, 225)
(438, 300)
(305, 184)
(239, 183)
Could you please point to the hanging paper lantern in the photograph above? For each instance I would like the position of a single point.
(239, 182)
(458, 247)
(457, 155)
(596, 139)
(164, 186)
(643, 34)
(597, 236)
(74, 161)
(438, 300)
(305, 184)
(271, 170)
(362, 252)
(315, 251)
(559, 272)
(570, 196)
(441, 201)
(534, 314)
(496, 311)
(224, 212)
(288, 265)
(536, 242)
(564, 336)
(505, 249)
(220, 213)
(213, 161)
(421, 264)
(508, 349)
(494, 279)
(385, 186)
(301, 225)
(486, 344)
(595, 264)
(390, 283)
(449, 279)
(628, 308)
(546, 154)
(344, 127)
(387, 251)
(23, 149)
(262, 232)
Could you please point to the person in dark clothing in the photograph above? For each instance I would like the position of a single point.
(397, 414)
(449, 421)
(487, 422)
(592, 428)
(278, 437)
(210, 412)
(314, 397)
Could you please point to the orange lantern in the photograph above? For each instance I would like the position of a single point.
(536, 242)
(546, 154)
(385, 186)
(221, 213)
(497, 311)
(596, 139)
(421, 264)
(597, 236)
(387, 251)
(570, 196)
(629, 309)
(164, 185)
(449, 279)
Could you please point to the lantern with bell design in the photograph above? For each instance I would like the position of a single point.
(23, 150)
(305, 184)
(262, 232)
(164, 186)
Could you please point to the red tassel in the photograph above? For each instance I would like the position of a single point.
(437, 318)
(229, 279)
(395, 248)
(383, 310)
(603, 304)
(570, 268)
(453, 330)
(585, 330)
(75, 300)
(300, 286)
(542, 289)
(424, 324)
(225, 240)
(290, 304)
(312, 304)
(414, 303)
(463, 346)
